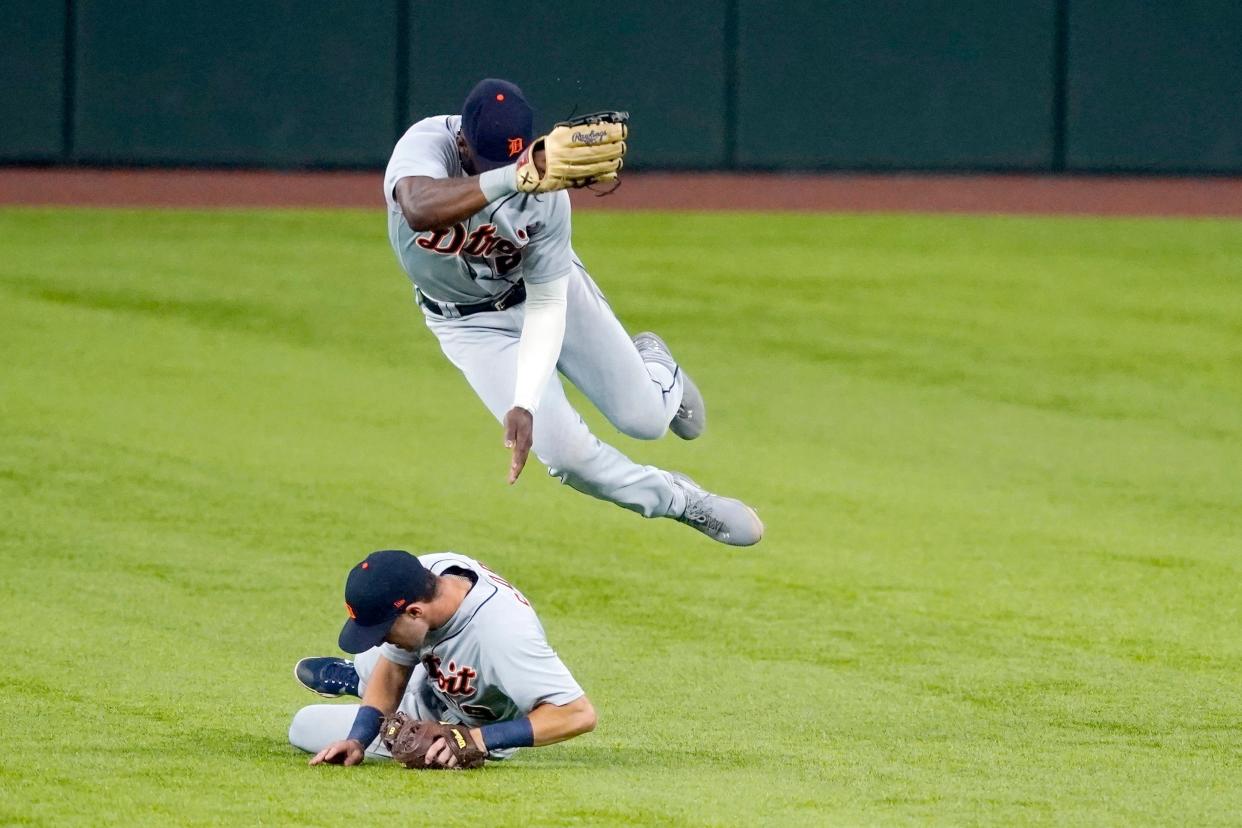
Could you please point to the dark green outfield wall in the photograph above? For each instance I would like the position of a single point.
(896, 83)
(1155, 84)
(1094, 85)
(277, 81)
(32, 80)
(664, 62)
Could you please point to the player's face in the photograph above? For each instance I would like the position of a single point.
(408, 631)
(467, 157)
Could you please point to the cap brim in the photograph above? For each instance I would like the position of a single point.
(356, 638)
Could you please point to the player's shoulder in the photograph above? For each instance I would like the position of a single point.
(438, 562)
(436, 130)
(503, 606)
(508, 615)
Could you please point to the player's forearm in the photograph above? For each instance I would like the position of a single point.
(379, 700)
(543, 333)
(547, 724)
(553, 723)
(386, 685)
(439, 203)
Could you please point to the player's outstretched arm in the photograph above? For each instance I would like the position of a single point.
(543, 332)
(380, 699)
(547, 724)
(552, 723)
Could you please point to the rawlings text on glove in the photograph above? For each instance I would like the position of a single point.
(582, 151)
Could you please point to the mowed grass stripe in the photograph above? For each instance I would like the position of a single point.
(998, 458)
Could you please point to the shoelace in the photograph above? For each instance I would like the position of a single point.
(696, 514)
(649, 344)
(342, 674)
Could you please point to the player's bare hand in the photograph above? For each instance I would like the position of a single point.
(519, 434)
(439, 756)
(344, 752)
(540, 163)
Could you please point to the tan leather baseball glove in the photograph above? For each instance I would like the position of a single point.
(576, 153)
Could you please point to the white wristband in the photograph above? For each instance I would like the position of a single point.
(499, 182)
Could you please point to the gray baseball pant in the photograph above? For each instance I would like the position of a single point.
(599, 358)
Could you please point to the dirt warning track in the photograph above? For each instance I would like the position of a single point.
(1018, 194)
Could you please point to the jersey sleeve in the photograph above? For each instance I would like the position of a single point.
(528, 670)
(548, 256)
(428, 148)
(406, 658)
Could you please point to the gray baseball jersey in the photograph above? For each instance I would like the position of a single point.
(491, 661)
(517, 237)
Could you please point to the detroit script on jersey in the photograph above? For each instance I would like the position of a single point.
(483, 242)
(520, 236)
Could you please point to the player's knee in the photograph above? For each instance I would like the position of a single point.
(642, 424)
(572, 458)
(304, 732)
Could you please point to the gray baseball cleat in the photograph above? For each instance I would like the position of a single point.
(691, 417)
(725, 519)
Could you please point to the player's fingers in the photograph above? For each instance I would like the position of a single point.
(437, 753)
(600, 154)
(604, 179)
(520, 453)
(521, 450)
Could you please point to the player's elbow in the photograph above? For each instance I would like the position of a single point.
(419, 219)
(585, 717)
(418, 210)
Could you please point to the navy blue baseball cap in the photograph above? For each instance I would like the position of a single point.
(376, 593)
(498, 123)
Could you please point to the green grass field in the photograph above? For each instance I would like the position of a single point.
(1000, 462)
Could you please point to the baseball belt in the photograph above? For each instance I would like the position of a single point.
(515, 295)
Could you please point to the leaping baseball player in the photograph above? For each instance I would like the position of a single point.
(454, 669)
(479, 218)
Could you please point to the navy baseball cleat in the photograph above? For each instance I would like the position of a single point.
(723, 519)
(328, 676)
(691, 417)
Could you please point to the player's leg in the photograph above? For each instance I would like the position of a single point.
(634, 381)
(316, 726)
(484, 347)
(600, 359)
(364, 666)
